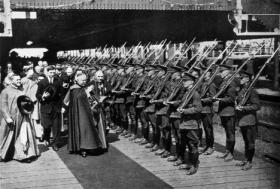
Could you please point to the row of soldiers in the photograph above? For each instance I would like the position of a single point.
(178, 98)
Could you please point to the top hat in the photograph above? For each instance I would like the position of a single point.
(25, 105)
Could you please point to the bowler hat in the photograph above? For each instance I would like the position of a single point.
(25, 105)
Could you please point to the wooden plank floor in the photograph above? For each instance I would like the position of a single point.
(48, 172)
(212, 173)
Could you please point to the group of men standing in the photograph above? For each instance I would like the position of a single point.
(148, 96)
(134, 95)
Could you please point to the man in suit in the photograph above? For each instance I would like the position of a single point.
(49, 96)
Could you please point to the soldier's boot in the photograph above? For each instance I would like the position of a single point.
(241, 163)
(172, 159)
(247, 166)
(149, 145)
(223, 155)
(229, 157)
(209, 151)
(192, 170)
(178, 162)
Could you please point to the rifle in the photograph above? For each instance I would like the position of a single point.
(205, 89)
(190, 93)
(246, 95)
(161, 86)
(183, 54)
(202, 57)
(228, 82)
(162, 51)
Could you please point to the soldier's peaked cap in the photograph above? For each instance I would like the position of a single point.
(244, 73)
(225, 67)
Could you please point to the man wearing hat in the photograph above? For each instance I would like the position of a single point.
(208, 90)
(119, 102)
(131, 100)
(49, 96)
(175, 117)
(163, 113)
(149, 113)
(188, 128)
(247, 118)
(143, 103)
(224, 105)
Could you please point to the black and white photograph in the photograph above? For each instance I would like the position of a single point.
(139, 94)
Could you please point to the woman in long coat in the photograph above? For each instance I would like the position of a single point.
(83, 135)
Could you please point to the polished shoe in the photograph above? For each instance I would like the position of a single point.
(143, 142)
(155, 148)
(55, 148)
(184, 166)
(247, 166)
(149, 145)
(1, 159)
(166, 154)
(241, 163)
(223, 155)
(228, 158)
(209, 151)
(178, 162)
(159, 152)
(192, 170)
(84, 154)
(172, 159)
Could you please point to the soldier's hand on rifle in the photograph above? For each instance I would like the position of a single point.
(216, 99)
(165, 102)
(63, 110)
(152, 101)
(180, 110)
(239, 108)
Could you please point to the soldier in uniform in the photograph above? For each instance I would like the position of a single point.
(226, 111)
(119, 102)
(175, 117)
(208, 90)
(189, 125)
(142, 103)
(131, 99)
(163, 113)
(149, 113)
(247, 119)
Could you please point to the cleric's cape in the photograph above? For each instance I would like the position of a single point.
(82, 128)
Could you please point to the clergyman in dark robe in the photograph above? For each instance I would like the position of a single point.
(83, 134)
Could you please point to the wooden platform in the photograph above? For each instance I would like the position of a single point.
(48, 172)
(213, 172)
